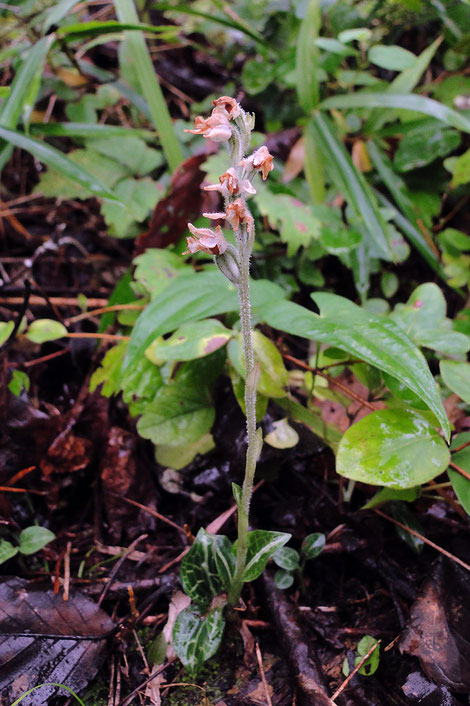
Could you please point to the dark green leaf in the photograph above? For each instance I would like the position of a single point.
(371, 664)
(390, 449)
(386, 495)
(273, 377)
(199, 573)
(19, 382)
(286, 558)
(417, 149)
(460, 483)
(262, 544)
(313, 545)
(81, 30)
(197, 637)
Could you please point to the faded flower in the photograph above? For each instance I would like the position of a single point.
(216, 127)
(206, 240)
(261, 160)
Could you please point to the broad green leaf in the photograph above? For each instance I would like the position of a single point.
(140, 386)
(6, 328)
(7, 551)
(372, 662)
(456, 376)
(191, 298)
(407, 101)
(444, 341)
(391, 57)
(192, 340)
(352, 185)
(283, 436)
(155, 269)
(262, 544)
(400, 194)
(403, 393)
(53, 185)
(178, 414)
(199, 571)
(307, 59)
(386, 495)
(283, 579)
(273, 377)
(392, 449)
(339, 241)
(130, 151)
(313, 545)
(296, 223)
(19, 382)
(454, 241)
(108, 374)
(89, 131)
(197, 637)
(178, 457)
(56, 160)
(34, 538)
(424, 310)
(287, 558)
(460, 484)
(389, 283)
(419, 148)
(222, 553)
(140, 197)
(43, 330)
(375, 340)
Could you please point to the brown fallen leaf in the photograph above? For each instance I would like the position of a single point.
(46, 639)
(439, 627)
(184, 202)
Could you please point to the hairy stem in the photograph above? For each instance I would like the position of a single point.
(250, 406)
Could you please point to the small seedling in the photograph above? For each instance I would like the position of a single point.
(30, 540)
(292, 563)
(371, 664)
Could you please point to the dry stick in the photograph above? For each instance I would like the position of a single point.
(20, 474)
(263, 676)
(104, 310)
(6, 489)
(336, 383)
(424, 539)
(36, 300)
(46, 358)
(67, 571)
(118, 565)
(343, 686)
(130, 698)
(460, 470)
(151, 511)
(103, 336)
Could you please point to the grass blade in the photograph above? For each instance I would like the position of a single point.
(405, 101)
(87, 130)
(151, 90)
(397, 189)
(93, 29)
(352, 185)
(55, 159)
(4, 91)
(57, 12)
(307, 59)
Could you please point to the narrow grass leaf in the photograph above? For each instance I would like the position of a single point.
(307, 58)
(405, 101)
(57, 12)
(93, 29)
(352, 185)
(39, 686)
(151, 90)
(87, 131)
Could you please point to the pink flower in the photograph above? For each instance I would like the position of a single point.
(261, 160)
(237, 213)
(206, 240)
(230, 185)
(216, 127)
(230, 105)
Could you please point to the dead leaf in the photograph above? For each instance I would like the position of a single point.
(183, 203)
(439, 627)
(360, 157)
(295, 161)
(66, 454)
(46, 639)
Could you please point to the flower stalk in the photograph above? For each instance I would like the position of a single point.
(229, 123)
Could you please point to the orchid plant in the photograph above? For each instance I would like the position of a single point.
(213, 572)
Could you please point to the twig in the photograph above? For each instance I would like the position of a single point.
(66, 584)
(46, 358)
(150, 511)
(118, 565)
(104, 310)
(130, 698)
(460, 470)
(103, 336)
(459, 448)
(450, 556)
(263, 676)
(333, 381)
(36, 300)
(343, 686)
